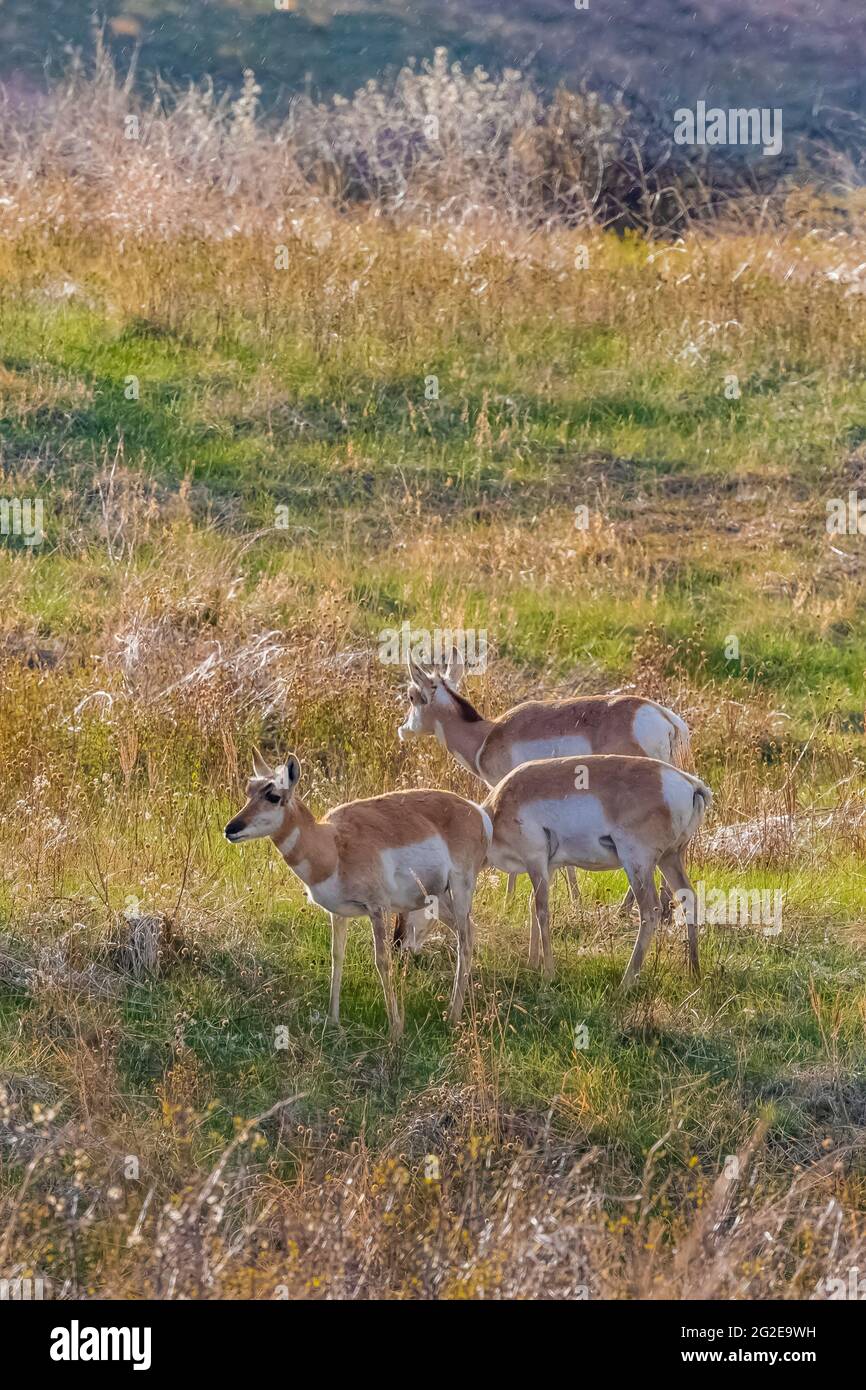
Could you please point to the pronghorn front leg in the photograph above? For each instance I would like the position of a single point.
(534, 937)
(338, 952)
(510, 882)
(571, 880)
(382, 948)
(629, 901)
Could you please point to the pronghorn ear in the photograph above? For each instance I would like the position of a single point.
(455, 668)
(289, 774)
(418, 674)
(260, 767)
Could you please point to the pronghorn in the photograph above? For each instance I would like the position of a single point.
(599, 812)
(401, 852)
(491, 748)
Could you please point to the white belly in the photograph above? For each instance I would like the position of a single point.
(577, 825)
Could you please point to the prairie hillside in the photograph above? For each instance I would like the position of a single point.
(274, 405)
(804, 56)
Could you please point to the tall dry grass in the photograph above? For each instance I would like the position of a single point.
(169, 626)
(437, 144)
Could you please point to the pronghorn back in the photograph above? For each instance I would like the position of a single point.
(638, 797)
(399, 819)
(593, 724)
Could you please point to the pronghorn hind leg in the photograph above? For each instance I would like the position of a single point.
(510, 883)
(573, 888)
(541, 903)
(461, 901)
(382, 948)
(642, 880)
(674, 870)
(629, 902)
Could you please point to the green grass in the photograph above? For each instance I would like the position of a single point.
(162, 554)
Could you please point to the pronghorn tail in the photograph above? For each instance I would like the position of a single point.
(681, 744)
(702, 801)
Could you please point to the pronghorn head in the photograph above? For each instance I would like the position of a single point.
(270, 791)
(430, 695)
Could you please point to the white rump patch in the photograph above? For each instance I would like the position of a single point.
(653, 732)
(678, 791)
(488, 823)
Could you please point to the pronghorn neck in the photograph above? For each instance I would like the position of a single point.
(462, 735)
(308, 846)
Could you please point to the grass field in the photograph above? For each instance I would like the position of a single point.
(244, 482)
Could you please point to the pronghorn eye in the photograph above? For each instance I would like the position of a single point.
(272, 796)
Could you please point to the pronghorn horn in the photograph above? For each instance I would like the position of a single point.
(260, 767)
(418, 674)
(455, 667)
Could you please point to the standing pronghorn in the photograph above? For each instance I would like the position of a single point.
(395, 853)
(599, 812)
(491, 748)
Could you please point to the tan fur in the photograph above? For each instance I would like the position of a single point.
(402, 818)
(491, 748)
(351, 863)
(607, 721)
(629, 789)
(598, 812)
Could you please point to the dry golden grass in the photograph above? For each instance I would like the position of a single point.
(170, 621)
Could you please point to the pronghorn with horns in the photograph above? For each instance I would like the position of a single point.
(491, 748)
(400, 852)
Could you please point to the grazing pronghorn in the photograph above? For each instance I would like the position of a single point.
(395, 853)
(491, 748)
(599, 812)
